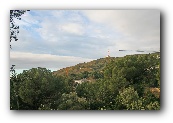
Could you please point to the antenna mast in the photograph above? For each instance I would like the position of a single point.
(108, 53)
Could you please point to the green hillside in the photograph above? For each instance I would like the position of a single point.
(93, 69)
(125, 83)
(82, 68)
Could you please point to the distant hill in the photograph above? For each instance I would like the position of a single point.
(92, 66)
(95, 65)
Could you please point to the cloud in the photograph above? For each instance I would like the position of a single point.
(139, 28)
(72, 28)
(64, 37)
(26, 60)
(99, 16)
(82, 34)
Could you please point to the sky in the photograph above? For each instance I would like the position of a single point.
(55, 39)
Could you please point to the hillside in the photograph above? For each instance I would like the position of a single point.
(131, 82)
(89, 69)
(95, 65)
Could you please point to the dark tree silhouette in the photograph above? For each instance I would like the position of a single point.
(14, 29)
(12, 69)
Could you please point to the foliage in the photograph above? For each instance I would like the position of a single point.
(153, 106)
(16, 102)
(129, 98)
(14, 29)
(81, 68)
(38, 86)
(97, 75)
(128, 83)
(72, 102)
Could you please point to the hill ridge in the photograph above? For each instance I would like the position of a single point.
(91, 66)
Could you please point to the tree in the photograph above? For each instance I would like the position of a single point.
(106, 91)
(16, 102)
(154, 106)
(85, 74)
(72, 102)
(97, 75)
(129, 98)
(14, 29)
(139, 70)
(38, 86)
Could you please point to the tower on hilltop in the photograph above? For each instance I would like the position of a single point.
(108, 53)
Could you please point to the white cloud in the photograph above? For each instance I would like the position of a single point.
(26, 60)
(139, 28)
(72, 28)
(99, 15)
(85, 33)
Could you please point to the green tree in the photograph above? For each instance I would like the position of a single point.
(129, 98)
(72, 102)
(85, 74)
(16, 102)
(153, 106)
(150, 99)
(97, 75)
(38, 86)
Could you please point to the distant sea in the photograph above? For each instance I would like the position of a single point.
(18, 71)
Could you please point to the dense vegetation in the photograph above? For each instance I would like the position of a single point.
(128, 83)
(85, 70)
